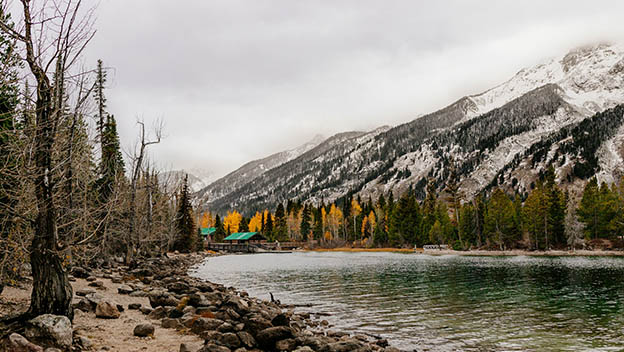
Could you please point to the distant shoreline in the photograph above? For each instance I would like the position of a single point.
(484, 253)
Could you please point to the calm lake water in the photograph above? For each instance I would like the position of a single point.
(446, 303)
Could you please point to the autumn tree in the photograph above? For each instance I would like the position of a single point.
(356, 210)
(206, 220)
(334, 220)
(232, 221)
(255, 223)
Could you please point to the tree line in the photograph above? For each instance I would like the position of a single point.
(545, 218)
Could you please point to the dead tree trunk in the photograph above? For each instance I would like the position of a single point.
(52, 292)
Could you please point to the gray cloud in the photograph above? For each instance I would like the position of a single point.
(237, 80)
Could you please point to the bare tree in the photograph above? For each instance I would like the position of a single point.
(138, 159)
(53, 37)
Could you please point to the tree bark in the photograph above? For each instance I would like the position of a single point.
(52, 292)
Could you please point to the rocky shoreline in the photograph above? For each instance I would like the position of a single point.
(226, 319)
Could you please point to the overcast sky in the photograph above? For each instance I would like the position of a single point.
(237, 80)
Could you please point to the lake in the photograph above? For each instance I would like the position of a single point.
(446, 303)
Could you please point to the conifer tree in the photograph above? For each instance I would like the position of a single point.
(500, 223)
(9, 163)
(589, 209)
(305, 222)
(405, 221)
(429, 206)
(100, 99)
(280, 231)
(267, 230)
(185, 221)
(317, 230)
(467, 223)
(244, 225)
(112, 163)
(219, 233)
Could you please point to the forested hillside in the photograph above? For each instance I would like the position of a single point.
(498, 137)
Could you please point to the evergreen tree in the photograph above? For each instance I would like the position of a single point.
(436, 233)
(305, 222)
(100, 99)
(9, 163)
(280, 230)
(455, 195)
(501, 227)
(555, 203)
(219, 233)
(429, 206)
(446, 225)
(380, 236)
(405, 222)
(479, 208)
(268, 227)
(185, 221)
(589, 209)
(112, 163)
(468, 224)
(317, 230)
(244, 225)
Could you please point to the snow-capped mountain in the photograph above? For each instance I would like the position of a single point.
(172, 179)
(554, 113)
(251, 170)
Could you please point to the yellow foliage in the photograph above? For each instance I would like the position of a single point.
(364, 224)
(356, 209)
(255, 223)
(368, 224)
(232, 221)
(334, 219)
(206, 220)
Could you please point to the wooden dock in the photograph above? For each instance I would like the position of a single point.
(268, 247)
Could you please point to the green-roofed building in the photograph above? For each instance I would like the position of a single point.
(207, 232)
(243, 237)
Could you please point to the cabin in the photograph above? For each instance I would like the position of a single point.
(207, 232)
(245, 237)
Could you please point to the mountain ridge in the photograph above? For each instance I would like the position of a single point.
(513, 117)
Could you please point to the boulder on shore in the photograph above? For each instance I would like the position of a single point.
(55, 329)
(268, 337)
(106, 310)
(18, 343)
(143, 330)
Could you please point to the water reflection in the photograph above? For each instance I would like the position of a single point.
(447, 302)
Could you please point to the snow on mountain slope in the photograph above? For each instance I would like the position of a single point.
(253, 169)
(611, 158)
(504, 136)
(590, 76)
